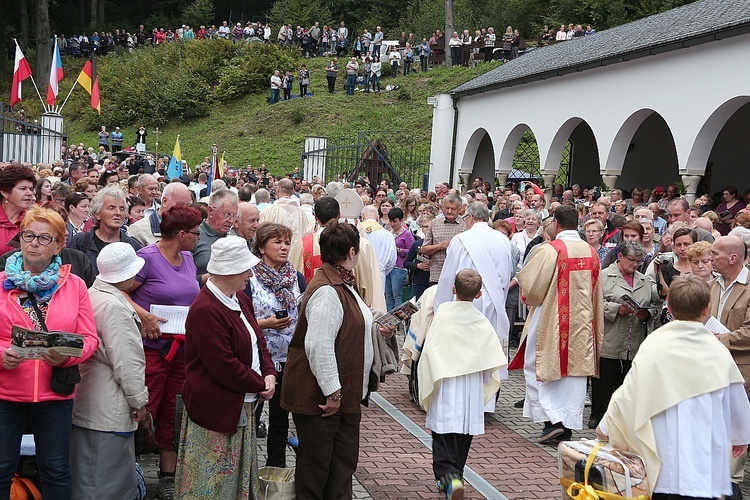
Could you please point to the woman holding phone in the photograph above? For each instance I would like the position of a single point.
(274, 289)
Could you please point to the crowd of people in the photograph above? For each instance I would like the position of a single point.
(269, 267)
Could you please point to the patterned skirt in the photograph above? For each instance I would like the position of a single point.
(215, 465)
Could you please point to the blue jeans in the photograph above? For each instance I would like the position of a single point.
(274, 96)
(375, 83)
(418, 290)
(394, 287)
(394, 69)
(367, 81)
(351, 83)
(51, 422)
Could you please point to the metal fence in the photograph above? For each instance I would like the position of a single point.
(378, 155)
(26, 141)
(526, 159)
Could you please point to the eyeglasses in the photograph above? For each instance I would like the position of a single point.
(44, 239)
(635, 261)
(226, 216)
(195, 233)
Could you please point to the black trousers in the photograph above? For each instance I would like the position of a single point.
(278, 425)
(449, 453)
(331, 84)
(327, 455)
(611, 375)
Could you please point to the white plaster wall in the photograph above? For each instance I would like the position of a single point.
(684, 86)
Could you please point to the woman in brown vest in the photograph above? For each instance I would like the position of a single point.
(327, 370)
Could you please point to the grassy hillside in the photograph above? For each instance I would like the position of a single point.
(252, 132)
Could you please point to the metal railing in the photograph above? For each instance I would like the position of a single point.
(27, 141)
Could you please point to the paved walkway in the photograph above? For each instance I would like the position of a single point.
(394, 463)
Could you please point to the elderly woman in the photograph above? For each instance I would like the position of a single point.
(593, 230)
(41, 293)
(517, 210)
(274, 289)
(108, 211)
(328, 368)
(112, 396)
(701, 262)
(167, 278)
(228, 369)
(624, 326)
(77, 206)
(17, 190)
(531, 222)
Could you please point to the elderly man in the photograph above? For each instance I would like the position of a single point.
(600, 212)
(488, 251)
(146, 231)
(439, 235)
(381, 239)
(286, 210)
(223, 212)
(564, 329)
(247, 224)
(148, 191)
(730, 304)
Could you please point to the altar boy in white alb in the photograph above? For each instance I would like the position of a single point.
(459, 373)
(682, 406)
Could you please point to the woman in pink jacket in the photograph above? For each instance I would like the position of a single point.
(40, 293)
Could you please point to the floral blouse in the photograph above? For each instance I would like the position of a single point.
(266, 304)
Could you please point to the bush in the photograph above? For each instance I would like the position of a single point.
(250, 69)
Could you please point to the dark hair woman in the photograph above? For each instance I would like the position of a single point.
(327, 369)
(17, 185)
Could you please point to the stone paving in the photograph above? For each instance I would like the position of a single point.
(393, 464)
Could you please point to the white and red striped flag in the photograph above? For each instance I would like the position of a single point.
(21, 71)
(55, 75)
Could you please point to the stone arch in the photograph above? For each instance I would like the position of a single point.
(706, 138)
(584, 153)
(621, 143)
(508, 152)
(479, 156)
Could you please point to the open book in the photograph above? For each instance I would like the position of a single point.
(175, 316)
(29, 344)
(398, 314)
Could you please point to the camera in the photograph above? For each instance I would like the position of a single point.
(663, 258)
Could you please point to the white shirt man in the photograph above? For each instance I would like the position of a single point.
(488, 251)
(381, 239)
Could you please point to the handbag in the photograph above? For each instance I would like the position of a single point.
(145, 436)
(276, 483)
(64, 379)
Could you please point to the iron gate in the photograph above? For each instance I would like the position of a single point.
(393, 156)
(526, 159)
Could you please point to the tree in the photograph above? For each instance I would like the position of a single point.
(448, 32)
(43, 44)
(198, 12)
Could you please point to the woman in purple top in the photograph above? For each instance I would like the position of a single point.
(167, 278)
(394, 281)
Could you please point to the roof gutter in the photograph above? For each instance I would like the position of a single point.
(455, 99)
(692, 41)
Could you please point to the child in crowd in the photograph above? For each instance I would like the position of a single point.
(459, 374)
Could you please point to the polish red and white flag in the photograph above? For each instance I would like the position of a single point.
(21, 71)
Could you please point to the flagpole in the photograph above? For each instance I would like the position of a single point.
(66, 99)
(44, 104)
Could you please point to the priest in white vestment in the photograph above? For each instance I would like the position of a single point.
(682, 405)
(488, 251)
(286, 210)
(563, 332)
(382, 240)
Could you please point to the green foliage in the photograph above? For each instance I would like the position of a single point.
(250, 68)
(198, 12)
(298, 12)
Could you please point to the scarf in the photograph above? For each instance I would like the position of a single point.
(43, 285)
(280, 282)
(347, 275)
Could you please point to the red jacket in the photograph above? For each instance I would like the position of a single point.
(8, 230)
(69, 310)
(218, 361)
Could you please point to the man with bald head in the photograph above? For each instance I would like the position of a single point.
(146, 231)
(247, 224)
(730, 304)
